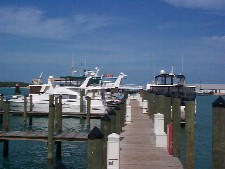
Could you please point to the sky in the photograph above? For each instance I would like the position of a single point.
(136, 37)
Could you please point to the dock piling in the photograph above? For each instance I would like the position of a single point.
(2, 102)
(167, 115)
(31, 103)
(6, 128)
(189, 134)
(82, 93)
(88, 111)
(118, 120)
(106, 129)
(218, 133)
(95, 139)
(25, 112)
(176, 102)
(51, 129)
(112, 116)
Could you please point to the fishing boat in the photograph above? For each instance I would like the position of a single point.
(174, 85)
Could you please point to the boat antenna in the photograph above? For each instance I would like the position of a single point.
(73, 68)
(182, 64)
(172, 70)
(39, 79)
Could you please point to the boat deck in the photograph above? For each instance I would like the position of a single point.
(137, 149)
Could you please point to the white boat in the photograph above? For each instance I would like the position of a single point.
(68, 87)
(174, 85)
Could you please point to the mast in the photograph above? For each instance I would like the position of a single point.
(73, 68)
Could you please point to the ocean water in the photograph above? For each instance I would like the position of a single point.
(203, 133)
(11, 91)
(33, 154)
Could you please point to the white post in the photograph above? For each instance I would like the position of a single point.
(145, 106)
(113, 151)
(158, 122)
(128, 114)
(160, 137)
(128, 101)
(139, 98)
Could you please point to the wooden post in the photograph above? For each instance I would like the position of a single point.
(218, 133)
(31, 109)
(2, 102)
(58, 114)
(161, 104)
(151, 105)
(122, 112)
(88, 111)
(167, 115)
(6, 116)
(156, 105)
(189, 134)
(176, 102)
(1, 107)
(25, 111)
(148, 100)
(58, 125)
(95, 139)
(5, 148)
(31, 103)
(51, 117)
(6, 128)
(51, 99)
(82, 91)
(118, 120)
(30, 120)
(106, 129)
(112, 116)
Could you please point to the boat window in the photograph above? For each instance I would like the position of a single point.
(73, 97)
(64, 96)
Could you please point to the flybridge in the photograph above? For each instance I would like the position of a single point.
(169, 79)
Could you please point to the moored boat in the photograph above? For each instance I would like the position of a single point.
(174, 85)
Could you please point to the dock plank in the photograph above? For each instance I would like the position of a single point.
(42, 136)
(137, 149)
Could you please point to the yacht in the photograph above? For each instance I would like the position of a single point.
(174, 85)
(69, 87)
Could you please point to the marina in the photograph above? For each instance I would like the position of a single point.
(199, 141)
(112, 84)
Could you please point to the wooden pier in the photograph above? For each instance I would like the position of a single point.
(65, 114)
(137, 149)
(42, 136)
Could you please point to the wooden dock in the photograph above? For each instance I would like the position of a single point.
(42, 136)
(64, 114)
(137, 149)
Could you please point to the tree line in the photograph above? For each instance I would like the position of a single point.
(13, 84)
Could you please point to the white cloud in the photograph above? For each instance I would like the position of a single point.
(218, 38)
(31, 22)
(202, 4)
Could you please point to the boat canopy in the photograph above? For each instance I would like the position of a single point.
(170, 79)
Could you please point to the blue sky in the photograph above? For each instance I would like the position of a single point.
(137, 37)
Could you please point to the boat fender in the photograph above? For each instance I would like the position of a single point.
(170, 138)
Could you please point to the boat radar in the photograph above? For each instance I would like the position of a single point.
(162, 72)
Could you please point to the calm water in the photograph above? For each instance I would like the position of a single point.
(203, 133)
(32, 155)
